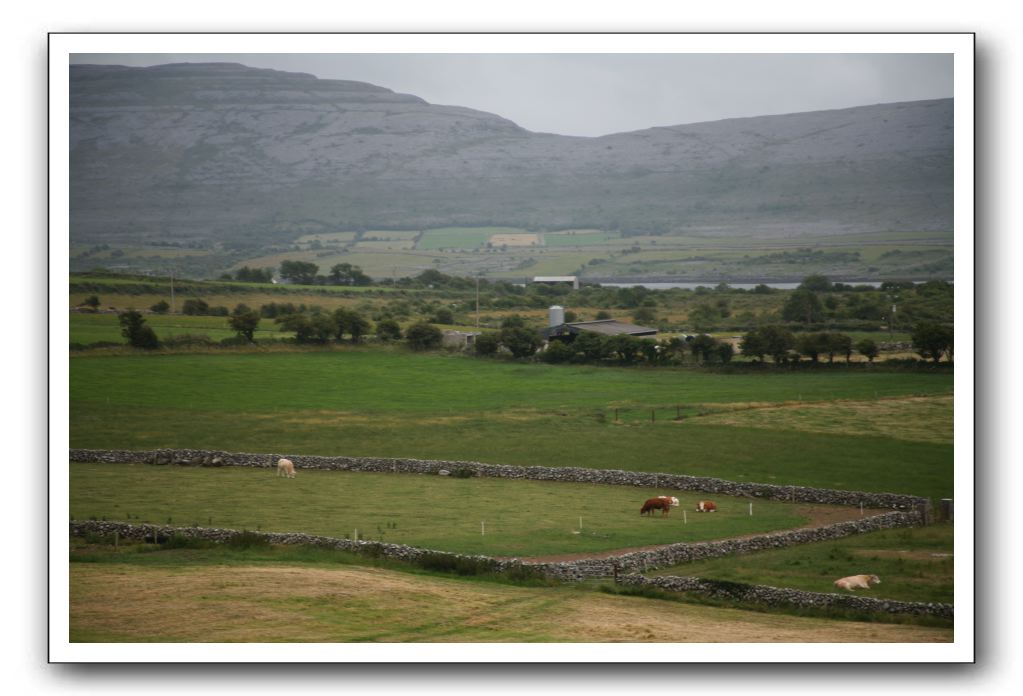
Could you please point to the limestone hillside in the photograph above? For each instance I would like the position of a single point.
(243, 155)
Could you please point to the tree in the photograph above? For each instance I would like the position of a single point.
(388, 330)
(347, 274)
(315, 328)
(195, 307)
(160, 307)
(802, 306)
(591, 347)
(816, 283)
(522, 342)
(811, 345)
(868, 349)
(301, 272)
(254, 275)
(933, 340)
(625, 347)
(644, 315)
(348, 321)
(423, 336)
(91, 301)
(703, 346)
(839, 343)
(704, 316)
(767, 340)
(602, 314)
(487, 344)
(513, 321)
(558, 352)
(725, 351)
(244, 321)
(443, 316)
(134, 329)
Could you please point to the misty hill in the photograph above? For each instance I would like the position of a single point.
(223, 151)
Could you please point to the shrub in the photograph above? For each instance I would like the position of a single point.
(388, 330)
(487, 344)
(423, 336)
(160, 307)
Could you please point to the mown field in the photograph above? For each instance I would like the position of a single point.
(224, 595)
(495, 517)
(864, 430)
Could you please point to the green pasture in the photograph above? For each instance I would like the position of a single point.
(462, 237)
(915, 565)
(365, 402)
(91, 328)
(496, 517)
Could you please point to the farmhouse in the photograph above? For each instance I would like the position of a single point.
(558, 280)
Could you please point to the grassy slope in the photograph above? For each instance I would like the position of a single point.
(365, 402)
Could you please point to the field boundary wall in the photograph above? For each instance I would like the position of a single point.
(779, 596)
(921, 507)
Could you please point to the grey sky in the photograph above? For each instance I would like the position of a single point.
(597, 94)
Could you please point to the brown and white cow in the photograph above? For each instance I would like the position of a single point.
(285, 468)
(662, 503)
(857, 582)
(706, 506)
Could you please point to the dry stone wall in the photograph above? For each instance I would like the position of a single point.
(779, 596)
(797, 494)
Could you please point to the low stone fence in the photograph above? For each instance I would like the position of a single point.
(570, 571)
(795, 494)
(775, 596)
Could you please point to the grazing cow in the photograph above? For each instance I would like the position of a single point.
(662, 503)
(285, 468)
(706, 506)
(853, 582)
(670, 498)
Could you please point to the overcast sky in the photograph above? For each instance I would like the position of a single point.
(597, 94)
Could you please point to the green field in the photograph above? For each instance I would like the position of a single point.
(915, 565)
(91, 328)
(373, 402)
(495, 517)
(461, 237)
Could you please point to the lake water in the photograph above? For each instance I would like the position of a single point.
(737, 286)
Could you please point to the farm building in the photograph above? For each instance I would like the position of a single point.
(558, 280)
(605, 327)
(459, 339)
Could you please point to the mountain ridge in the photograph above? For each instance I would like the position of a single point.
(227, 152)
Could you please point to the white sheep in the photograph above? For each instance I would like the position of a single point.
(285, 468)
(854, 582)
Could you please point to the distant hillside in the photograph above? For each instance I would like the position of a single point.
(249, 156)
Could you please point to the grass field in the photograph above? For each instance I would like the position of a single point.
(373, 402)
(519, 518)
(217, 595)
(915, 565)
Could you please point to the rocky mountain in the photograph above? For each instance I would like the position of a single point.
(243, 155)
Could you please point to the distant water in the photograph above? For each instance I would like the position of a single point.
(737, 286)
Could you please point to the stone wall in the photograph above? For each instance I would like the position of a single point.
(569, 571)
(795, 494)
(778, 596)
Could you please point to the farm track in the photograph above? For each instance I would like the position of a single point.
(818, 517)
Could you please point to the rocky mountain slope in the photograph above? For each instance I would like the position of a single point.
(244, 155)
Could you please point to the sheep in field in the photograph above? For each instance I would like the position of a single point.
(853, 582)
(285, 468)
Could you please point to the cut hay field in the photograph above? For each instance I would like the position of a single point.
(191, 596)
(494, 517)
(366, 402)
